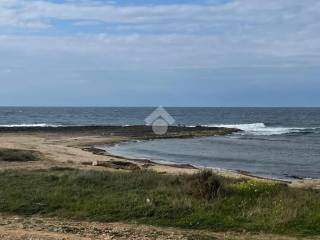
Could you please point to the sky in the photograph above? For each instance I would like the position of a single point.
(159, 52)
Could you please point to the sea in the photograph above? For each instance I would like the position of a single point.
(281, 143)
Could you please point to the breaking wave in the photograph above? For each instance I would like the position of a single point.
(263, 129)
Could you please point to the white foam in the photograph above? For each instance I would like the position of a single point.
(260, 129)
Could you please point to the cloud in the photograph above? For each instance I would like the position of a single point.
(241, 11)
(217, 34)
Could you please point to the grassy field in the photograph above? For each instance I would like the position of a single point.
(16, 155)
(201, 201)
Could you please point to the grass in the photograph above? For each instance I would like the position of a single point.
(16, 155)
(201, 201)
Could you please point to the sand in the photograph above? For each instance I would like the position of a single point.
(74, 148)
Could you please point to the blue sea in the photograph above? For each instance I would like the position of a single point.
(275, 142)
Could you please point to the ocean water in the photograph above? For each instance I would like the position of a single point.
(276, 142)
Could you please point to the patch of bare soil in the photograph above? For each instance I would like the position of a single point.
(64, 149)
(38, 228)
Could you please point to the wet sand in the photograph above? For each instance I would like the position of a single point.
(74, 147)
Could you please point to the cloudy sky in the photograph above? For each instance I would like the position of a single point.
(160, 52)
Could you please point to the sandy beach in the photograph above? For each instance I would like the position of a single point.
(159, 120)
(74, 148)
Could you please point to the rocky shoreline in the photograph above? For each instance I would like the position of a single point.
(75, 147)
(138, 131)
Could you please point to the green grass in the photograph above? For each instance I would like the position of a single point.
(202, 201)
(16, 155)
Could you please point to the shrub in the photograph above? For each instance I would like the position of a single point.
(206, 185)
(200, 201)
(16, 155)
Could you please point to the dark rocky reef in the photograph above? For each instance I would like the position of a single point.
(134, 132)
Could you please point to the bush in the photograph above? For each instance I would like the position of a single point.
(16, 155)
(200, 201)
(206, 185)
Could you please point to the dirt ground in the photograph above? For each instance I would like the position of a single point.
(37, 228)
(71, 150)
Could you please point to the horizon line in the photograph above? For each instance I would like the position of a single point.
(145, 106)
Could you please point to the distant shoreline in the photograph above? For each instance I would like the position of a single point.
(74, 147)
